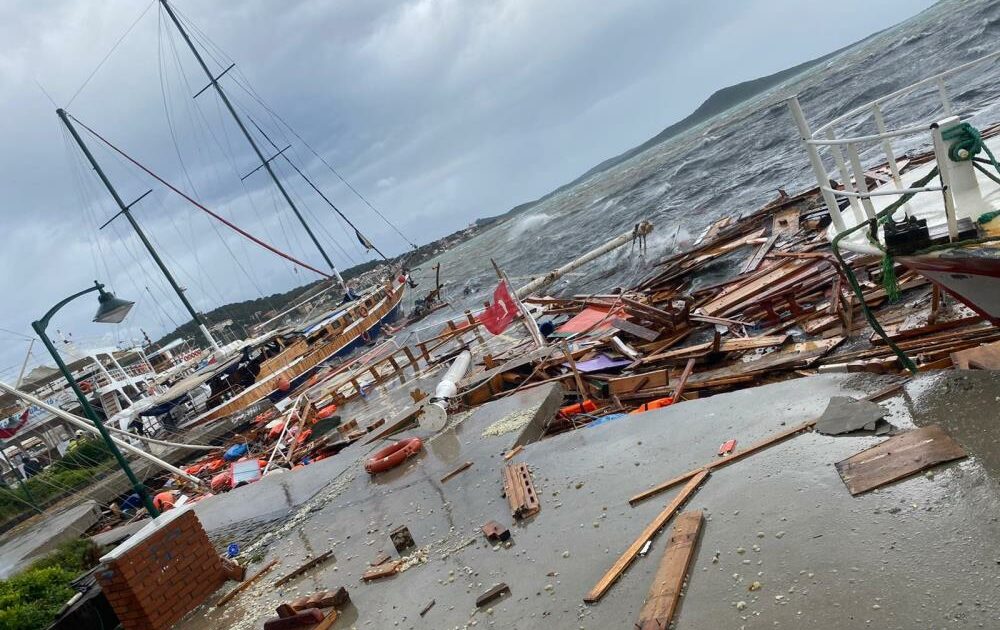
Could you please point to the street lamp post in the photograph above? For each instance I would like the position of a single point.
(110, 310)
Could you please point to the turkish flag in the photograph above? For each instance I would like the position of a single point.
(10, 426)
(499, 315)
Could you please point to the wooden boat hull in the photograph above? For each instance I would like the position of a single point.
(974, 280)
(299, 367)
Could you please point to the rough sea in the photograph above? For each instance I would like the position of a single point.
(731, 164)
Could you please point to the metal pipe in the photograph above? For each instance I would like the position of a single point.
(640, 230)
(884, 193)
(890, 156)
(905, 131)
(435, 412)
(860, 182)
(822, 178)
(87, 426)
(941, 153)
(845, 178)
(945, 101)
(908, 89)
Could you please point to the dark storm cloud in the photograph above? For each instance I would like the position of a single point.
(441, 111)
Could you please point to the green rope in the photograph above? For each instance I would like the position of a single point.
(872, 225)
(966, 143)
(890, 282)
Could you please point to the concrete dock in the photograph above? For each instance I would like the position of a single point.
(919, 553)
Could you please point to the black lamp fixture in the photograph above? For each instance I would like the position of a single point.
(110, 310)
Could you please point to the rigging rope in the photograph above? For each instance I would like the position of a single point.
(214, 215)
(872, 226)
(221, 58)
(966, 143)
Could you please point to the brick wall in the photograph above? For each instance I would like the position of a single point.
(160, 574)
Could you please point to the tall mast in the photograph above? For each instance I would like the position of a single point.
(125, 210)
(266, 163)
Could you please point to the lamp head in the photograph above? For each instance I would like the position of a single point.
(110, 309)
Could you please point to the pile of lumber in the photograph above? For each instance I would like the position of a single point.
(753, 300)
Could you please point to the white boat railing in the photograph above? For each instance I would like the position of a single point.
(849, 170)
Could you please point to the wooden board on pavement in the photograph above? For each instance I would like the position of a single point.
(665, 591)
(898, 457)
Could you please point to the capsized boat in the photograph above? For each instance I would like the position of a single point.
(938, 217)
(262, 372)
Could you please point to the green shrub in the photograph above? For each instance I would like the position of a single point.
(84, 453)
(32, 599)
(77, 555)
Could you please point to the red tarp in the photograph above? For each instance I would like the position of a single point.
(12, 424)
(499, 315)
(589, 320)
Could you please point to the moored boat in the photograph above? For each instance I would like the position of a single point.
(935, 214)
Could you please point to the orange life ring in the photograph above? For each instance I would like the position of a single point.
(393, 455)
(363, 310)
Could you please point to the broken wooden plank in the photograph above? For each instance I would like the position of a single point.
(898, 457)
(493, 594)
(458, 470)
(665, 591)
(324, 599)
(382, 571)
(769, 441)
(739, 344)
(512, 453)
(635, 329)
(631, 384)
(682, 381)
(246, 584)
(754, 261)
(628, 556)
(984, 357)
(328, 621)
(320, 559)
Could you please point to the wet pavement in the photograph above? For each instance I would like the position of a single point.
(17, 552)
(915, 554)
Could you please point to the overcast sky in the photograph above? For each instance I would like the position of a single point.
(440, 111)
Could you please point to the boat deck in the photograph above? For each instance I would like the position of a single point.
(925, 205)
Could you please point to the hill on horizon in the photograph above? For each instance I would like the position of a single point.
(720, 101)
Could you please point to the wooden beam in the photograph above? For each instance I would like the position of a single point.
(629, 555)
(685, 375)
(318, 560)
(767, 442)
(458, 470)
(665, 591)
(246, 584)
(635, 329)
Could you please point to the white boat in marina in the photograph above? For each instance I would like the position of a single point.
(938, 218)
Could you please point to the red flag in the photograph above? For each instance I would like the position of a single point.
(11, 425)
(499, 315)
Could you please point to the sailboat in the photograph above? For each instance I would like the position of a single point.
(938, 216)
(270, 366)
